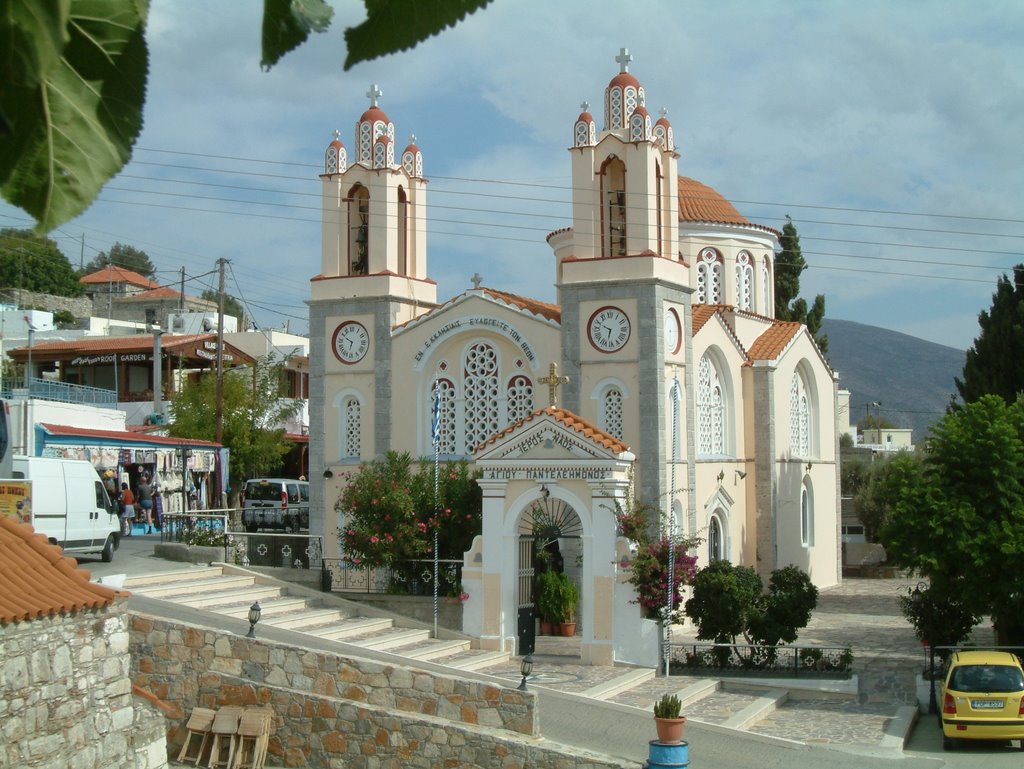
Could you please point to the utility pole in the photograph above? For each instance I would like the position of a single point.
(220, 372)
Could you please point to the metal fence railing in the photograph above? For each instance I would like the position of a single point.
(796, 661)
(402, 578)
(212, 528)
(64, 392)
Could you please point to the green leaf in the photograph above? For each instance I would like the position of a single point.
(287, 24)
(395, 25)
(32, 38)
(76, 126)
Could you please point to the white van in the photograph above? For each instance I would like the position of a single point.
(70, 506)
(275, 503)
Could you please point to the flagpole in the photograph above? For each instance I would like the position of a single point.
(435, 434)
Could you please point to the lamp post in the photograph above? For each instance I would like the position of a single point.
(254, 616)
(526, 667)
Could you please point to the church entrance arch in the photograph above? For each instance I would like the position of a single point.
(550, 484)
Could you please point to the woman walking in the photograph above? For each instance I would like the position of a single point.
(144, 492)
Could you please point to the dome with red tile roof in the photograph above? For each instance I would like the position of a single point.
(336, 157)
(585, 130)
(412, 159)
(371, 126)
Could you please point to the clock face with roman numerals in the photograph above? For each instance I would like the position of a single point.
(608, 329)
(351, 341)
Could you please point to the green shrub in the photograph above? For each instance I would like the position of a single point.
(668, 706)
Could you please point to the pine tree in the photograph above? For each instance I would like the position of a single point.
(995, 362)
(789, 263)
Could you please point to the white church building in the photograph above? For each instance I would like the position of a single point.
(659, 374)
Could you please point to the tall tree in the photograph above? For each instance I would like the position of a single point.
(35, 263)
(120, 255)
(253, 412)
(995, 362)
(960, 520)
(789, 263)
(231, 305)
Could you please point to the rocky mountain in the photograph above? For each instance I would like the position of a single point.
(911, 378)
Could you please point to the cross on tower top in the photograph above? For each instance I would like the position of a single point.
(585, 106)
(337, 135)
(552, 380)
(663, 112)
(624, 58)
(477, 280)
(373, 94)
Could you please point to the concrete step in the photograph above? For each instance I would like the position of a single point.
(224, 602)
(353, 628)
(698, 690)
(285, 604)
(760, 708)
(179, 592)
(629, 679)
(309, 618)
(474, 659)
(432, 649)
(395, 638)
(168, 577)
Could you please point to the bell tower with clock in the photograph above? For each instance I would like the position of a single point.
(623, 287)
(373, 277)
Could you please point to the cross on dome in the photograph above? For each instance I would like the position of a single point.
(624, 58)
(373, 94)
(336, 135)
(663, 112)
(412, 138)
(584, 106)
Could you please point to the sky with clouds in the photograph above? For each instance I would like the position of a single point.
(890, 132)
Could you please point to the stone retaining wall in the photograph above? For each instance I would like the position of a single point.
(66, 696)
(333, 711)
(420, 608)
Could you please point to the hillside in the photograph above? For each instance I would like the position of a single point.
(911, 378)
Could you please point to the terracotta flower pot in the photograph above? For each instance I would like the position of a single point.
(670, 730)
(567, 629)
(545, 627)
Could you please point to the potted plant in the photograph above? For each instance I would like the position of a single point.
(549, 602)
(667, 721)
(570, 596)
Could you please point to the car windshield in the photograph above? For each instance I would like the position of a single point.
(986, 678)
(265, 492)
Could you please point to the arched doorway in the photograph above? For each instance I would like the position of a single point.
(550, 539)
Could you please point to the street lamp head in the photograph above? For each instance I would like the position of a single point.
(526, 668)
(254, 616)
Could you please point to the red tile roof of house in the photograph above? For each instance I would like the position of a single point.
(568, 419)
(113, 274)
(774, 340)
(161, 292)
(37, 580)
(98, 345)
(118, 435)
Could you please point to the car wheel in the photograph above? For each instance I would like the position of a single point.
(107, 554)
(947, 743)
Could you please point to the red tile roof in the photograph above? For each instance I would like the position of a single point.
(702, 313)
(700, 203)
(37, 580)
(544, 309)
(772, 342)
(113, 274)
(98, 345)
(161, 292)
(118, 435)
(569, 420)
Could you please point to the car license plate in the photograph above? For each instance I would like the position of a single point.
(987, 704)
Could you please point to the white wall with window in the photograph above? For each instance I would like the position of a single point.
(744, 281)
(801, 416)
(714, 400)
(710, 277)
(610, 395)
(806, 515)
(348, 408)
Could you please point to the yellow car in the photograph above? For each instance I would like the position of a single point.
(983, 698)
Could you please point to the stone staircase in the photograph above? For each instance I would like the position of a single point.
(231, 594)
(769, 710)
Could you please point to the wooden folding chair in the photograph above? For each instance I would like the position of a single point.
(225, 735)
(253, 738)
(199, 725)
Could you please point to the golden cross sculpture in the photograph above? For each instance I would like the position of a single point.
(552, 380)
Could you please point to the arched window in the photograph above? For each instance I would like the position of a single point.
(520, 398)
(611, 412)
(766, 290)
(358, 230)
(799, 417)
(744, 281)
(716, 539)
(480, 390)
(613, 182)
(710, 409)
(350, 439)
(709, 277)
(806, 515)
(403, 232)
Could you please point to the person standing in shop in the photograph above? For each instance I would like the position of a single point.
(144, 494)
(128, 503)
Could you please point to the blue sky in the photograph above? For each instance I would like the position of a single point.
(890, 132)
